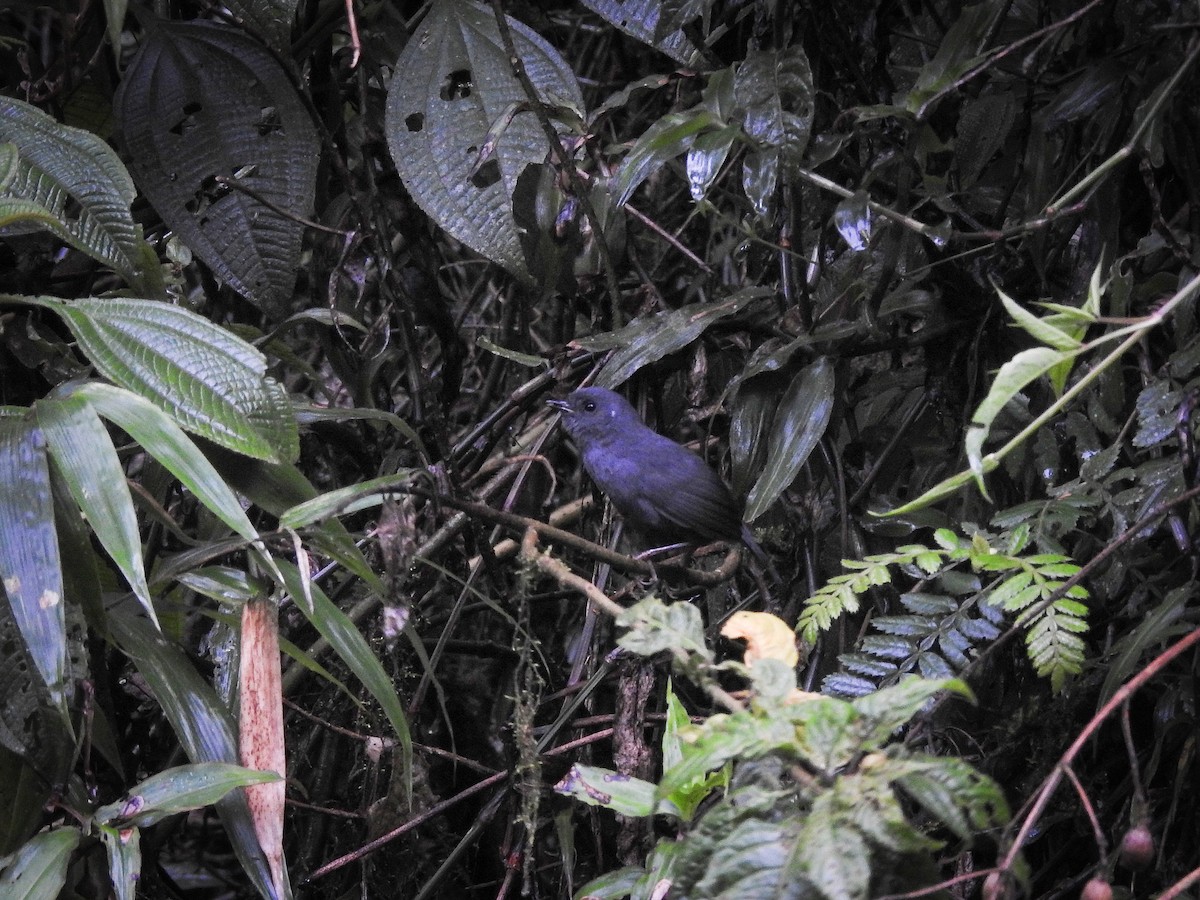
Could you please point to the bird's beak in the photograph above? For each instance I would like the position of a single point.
(560, 405)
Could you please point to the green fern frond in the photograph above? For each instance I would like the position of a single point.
(939, 634)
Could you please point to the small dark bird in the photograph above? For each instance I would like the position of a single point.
(660, 487)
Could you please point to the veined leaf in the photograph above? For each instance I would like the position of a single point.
(452, 83)
(70, 182)
(272, 20)
(775, 91)
(640, 19)
(212, 383)
(204, 111)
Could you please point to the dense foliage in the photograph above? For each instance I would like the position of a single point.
(285, 286)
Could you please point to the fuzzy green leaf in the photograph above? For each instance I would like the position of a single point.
(70, 182)
(212, 383)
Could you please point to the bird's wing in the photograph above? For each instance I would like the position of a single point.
(686, 493)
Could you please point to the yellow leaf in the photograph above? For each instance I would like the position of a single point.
(766, 637)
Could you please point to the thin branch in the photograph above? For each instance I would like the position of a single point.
(1052, 781)
(578, 187)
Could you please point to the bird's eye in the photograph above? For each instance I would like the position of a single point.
(590, 406)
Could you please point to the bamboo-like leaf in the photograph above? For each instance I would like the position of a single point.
(800, 421)
(30, 568)
(83, 450)
(749, 427)
(276, 488)
(211, 382)
(337, 628)
(202, 724)
(180, 789)
(452, 83)
(1010, 380)
(942, 489)
(124, 849)
(673, 135)
(345, 500)
(956, 55)
(1042, 330)
(38, 869)
(165, 441)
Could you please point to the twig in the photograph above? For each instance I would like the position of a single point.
(1005, 51)
(1086, 802)
(668, 237)
(235, 184)
(1050, 785)
(558, 570)
(436, 810)
(1191, 878)
(1127, 149)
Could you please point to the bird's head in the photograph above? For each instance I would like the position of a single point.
(597, 415)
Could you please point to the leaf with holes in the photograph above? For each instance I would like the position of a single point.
(453, 83)
(222, 146)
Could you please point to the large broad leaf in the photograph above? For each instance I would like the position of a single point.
(454, 82)
(640, 19)
(29, 559)
(271, 20)
(71, 183)
(800, 422)
(209, 381)
(205, 110)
